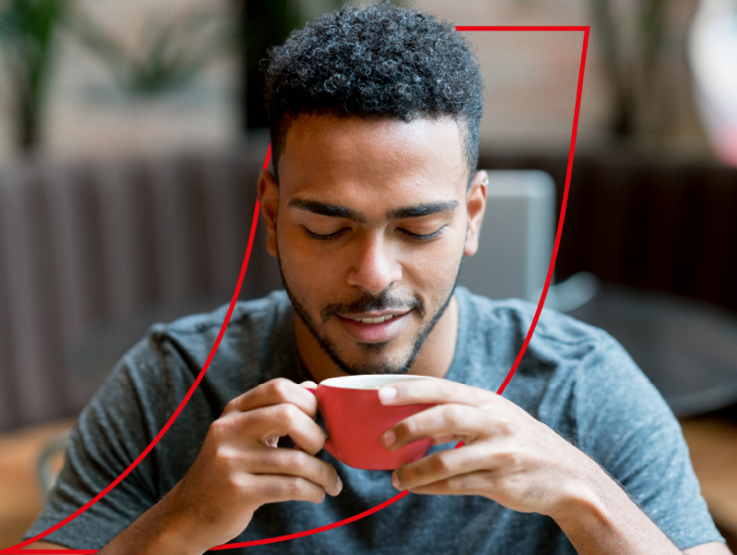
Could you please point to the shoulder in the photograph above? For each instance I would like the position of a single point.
(570, 372)
(253, 314)
(252, 324)
(585, 359)
(517, 315)
(169, 357)
(559, 342)
(577, 378)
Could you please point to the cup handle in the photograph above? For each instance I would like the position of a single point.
(328, 445)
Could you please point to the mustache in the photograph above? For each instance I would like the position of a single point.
(367, 303)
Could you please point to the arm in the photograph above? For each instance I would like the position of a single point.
(238, 469)
(133, 538)
(50, 545)
(45, 545)
(602, 519)
(711, 548)
(511, 458)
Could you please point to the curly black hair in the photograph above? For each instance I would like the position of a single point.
(380, 61)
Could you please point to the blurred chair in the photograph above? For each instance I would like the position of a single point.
(516, 244)
(516, 239)
(50, 460)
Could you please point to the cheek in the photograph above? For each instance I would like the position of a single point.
(435, 267)
(305, 263)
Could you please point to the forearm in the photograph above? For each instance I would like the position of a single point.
(602, 519)
(161, 530)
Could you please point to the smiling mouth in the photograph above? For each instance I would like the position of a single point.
(375, 328)
(374, 319)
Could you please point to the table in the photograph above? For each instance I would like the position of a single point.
(20, 495)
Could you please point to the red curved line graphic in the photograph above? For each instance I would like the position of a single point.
(17, 549)
(561, 219)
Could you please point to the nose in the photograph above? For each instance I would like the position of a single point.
(375, 267)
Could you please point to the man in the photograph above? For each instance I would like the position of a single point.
(373, 202)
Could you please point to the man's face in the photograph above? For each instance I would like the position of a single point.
(371, 223)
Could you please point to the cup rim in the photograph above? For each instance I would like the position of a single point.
(364, 380)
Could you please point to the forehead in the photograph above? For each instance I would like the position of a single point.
(336, 157)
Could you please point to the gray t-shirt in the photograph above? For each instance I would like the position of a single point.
(575, 378)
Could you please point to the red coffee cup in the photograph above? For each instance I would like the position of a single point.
(355, 420)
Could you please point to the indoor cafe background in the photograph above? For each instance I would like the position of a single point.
(131, 135)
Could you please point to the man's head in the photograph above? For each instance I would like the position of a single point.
(374, 120)
(377, 62)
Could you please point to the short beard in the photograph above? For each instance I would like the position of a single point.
(366, 304)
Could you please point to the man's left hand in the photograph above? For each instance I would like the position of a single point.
(508, 456)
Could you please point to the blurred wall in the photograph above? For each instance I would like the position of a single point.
(530, 78)
(89, 116)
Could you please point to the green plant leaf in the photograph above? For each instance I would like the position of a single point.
(170, 53)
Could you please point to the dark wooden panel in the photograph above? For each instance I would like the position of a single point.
(9, 401)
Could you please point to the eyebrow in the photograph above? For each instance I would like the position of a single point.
(335, 211)
(421, 210)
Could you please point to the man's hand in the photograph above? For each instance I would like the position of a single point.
(512, 458)
(238, 469)
(507, 455)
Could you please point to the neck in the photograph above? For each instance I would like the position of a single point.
(434, 359)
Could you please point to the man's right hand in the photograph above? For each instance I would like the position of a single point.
(239, 469)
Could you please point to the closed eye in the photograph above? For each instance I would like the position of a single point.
(328, 237)
(416, 237)
(409, 234)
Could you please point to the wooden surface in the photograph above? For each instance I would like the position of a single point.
(712, 442)
(20, 493)
(713, 446)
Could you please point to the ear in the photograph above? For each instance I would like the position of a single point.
(268, 196)
(476, 205)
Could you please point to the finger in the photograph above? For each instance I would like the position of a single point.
(276, 489)
(275, 392)
(436, 391)
(473, 483)
(437, 422)
(443, 465)
(290, 462)
(309, 384)
(275, 421)
(447, 438)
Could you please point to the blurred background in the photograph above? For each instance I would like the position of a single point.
(131, 136)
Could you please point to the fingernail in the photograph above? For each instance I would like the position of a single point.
(339, 485)
(390, 438)
(387, 394)
(395, 480)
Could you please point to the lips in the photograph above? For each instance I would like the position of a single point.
(375, 317)
(376, 327)
(373, 320)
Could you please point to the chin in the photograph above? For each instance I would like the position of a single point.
(363, 365)
(378, 370)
